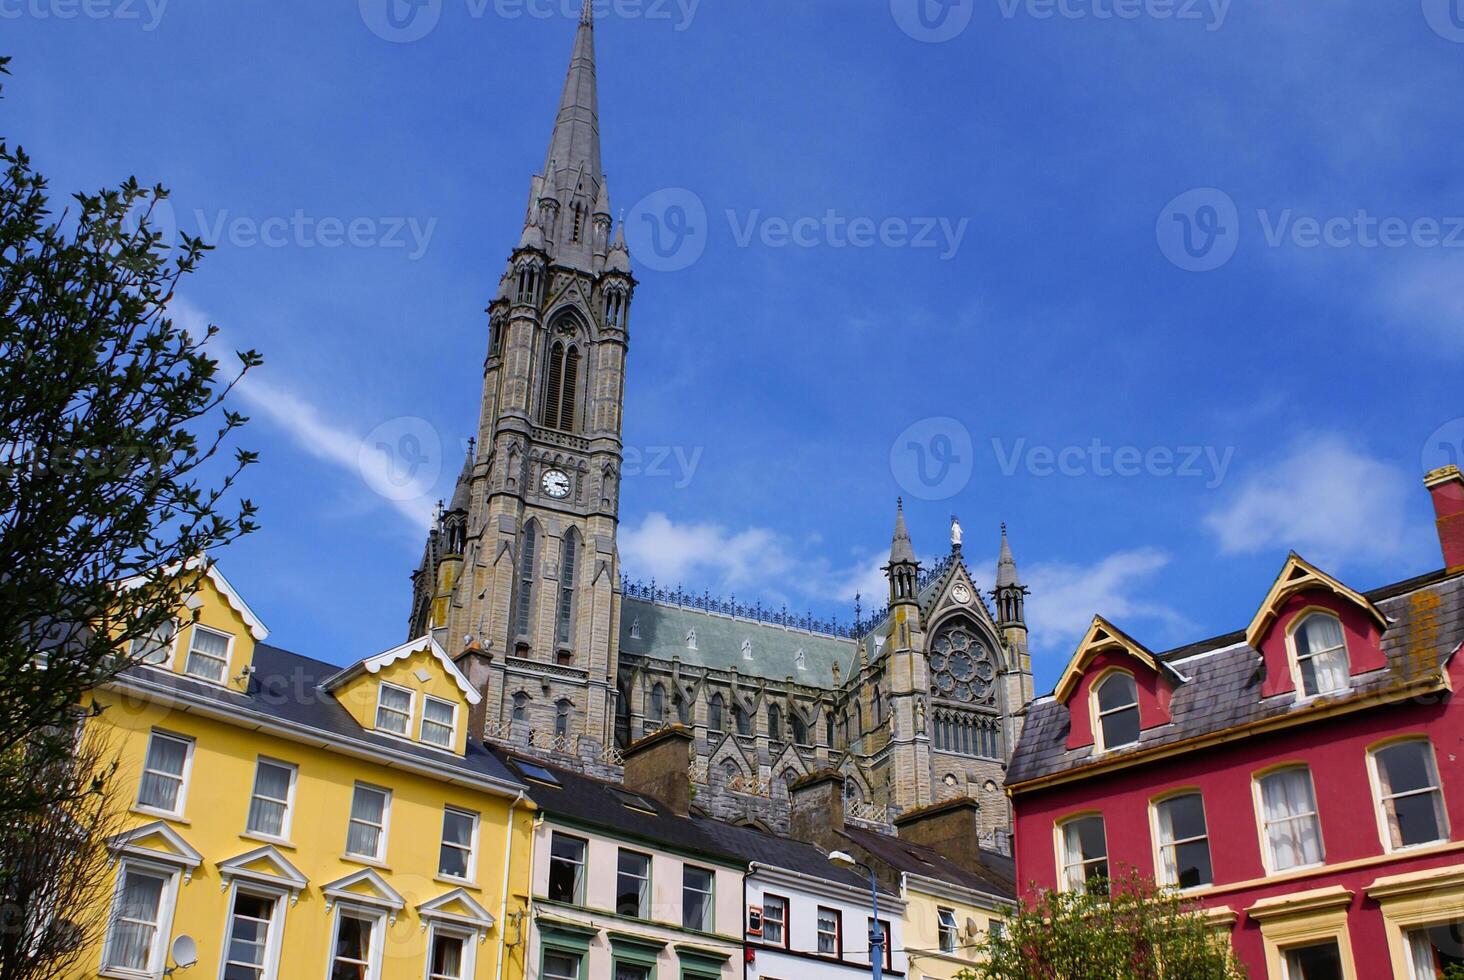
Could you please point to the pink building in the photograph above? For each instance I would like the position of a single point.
(1302, 779)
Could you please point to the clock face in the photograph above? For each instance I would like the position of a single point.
(555, 483)
(960, 593)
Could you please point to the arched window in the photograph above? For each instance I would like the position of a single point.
(526, 578)
(579, 220)
(567, 568)
(829, 728)
(657, 712)
(1117, 701)
(1321, 654)
(800, 728)
(561, 382)
(495, 336)
(878, 706)
(741, 720)
(520, 706)
(775, 723)
(714, 713)
(683, 709)
(561, 717)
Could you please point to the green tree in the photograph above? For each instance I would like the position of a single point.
(114, 459)
(1125, 930)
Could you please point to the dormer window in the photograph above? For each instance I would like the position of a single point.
(208, 655)
(439, 722)
(1116, 698)
(393, 709)
(1321, 655)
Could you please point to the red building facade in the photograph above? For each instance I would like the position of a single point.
(1302, 780)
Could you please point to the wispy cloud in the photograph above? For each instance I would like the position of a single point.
(1426, 301)
(1324, 498)
(1066, 596)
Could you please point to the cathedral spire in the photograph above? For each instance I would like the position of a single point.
(574, 146)
(1006, 565)
(903, 570)
(901, 551)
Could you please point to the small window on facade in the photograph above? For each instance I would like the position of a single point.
(1321, 655)
(366, 831)
(1409, 796)
(775, 723)
(449, 955)
(1318, 961)
(1084, 854)
(247, 944)
(633, 884)
(561, 966)
(830, 932)
(208, 655)
(714, 713)
(946, 929)
(1437, 951)
(567, 870)
(135, 932)
(520, 706)
(742, 720)
(269, 805)
(1289, 821)
(1184, 844)
(356, 951)
(157, 647)
(1117, 700)
(561, 717)
(439, 722)
(165, 773)
(393, 709)
(696, 898)
(457, 859)
(657, 710)
(775, 920)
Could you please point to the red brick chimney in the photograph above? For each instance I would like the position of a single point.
(1447, 486)
(659, 766)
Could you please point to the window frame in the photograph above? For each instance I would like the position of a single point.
(377, 918)
(452, 726)
(709, 916)
(886, 943)
(1096, 713)
(1059, 835)
(286, 824)
(228, 654)
(167, 663)
(1441, 808)
(381, 688)
(644, 899)
(167, 906)
(1258, 804)
(185, 778)
(1294, 658)
(580, 867)
(782, 923)
(384, 830)
(819, 932)
(1156, 835)
(468, 937)
(472, 849)
(273, 941)
(943, 912)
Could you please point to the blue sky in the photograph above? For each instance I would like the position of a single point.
(1170, 288)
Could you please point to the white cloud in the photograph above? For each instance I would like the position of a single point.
(1066, 597)
(1323, 499)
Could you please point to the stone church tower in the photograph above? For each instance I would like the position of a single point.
(522, 565)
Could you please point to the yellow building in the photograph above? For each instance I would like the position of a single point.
(943, 923)
(300, 820)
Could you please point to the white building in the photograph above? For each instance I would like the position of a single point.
(815, 924)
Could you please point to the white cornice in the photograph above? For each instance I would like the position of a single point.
(372, 665)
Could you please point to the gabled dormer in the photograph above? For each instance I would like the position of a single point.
(211, 638)
(1114, 689)
(413, 692)
(1315, 634)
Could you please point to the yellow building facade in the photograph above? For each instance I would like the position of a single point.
(296, 819)
(944, 923)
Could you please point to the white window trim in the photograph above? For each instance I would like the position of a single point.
(167, 663)
(1059, 842)
(1096, 714)
(377, 917)
(581, 884)
(1258, 805)
(1380, 810)
(379, 857)
(1157, 836)
(286, 824)
(276, 925)
(187, 776)
(411, 712)
(941, 914)
(228, 655)
(167, 904)
(1294, 661)
(470, 938)
(472, 845)
(422, 726)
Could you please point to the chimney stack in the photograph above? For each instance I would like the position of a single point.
(816, 810)
(1447, 486)
(475, 662)
(659, 766)
(951, 828)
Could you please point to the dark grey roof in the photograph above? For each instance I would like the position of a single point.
(997, 877)
(1426, 625)
(285, 686)
(598, 804)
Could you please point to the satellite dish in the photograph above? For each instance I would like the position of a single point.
(185, 952)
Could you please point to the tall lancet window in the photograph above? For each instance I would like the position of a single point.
(561, 382)
(525, 614)
(567, 570)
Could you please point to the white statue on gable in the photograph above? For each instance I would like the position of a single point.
(635, 628)
(746, 649)
(801, 659)
(691, 638)
(956, 533)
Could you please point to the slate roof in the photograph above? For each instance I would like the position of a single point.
(285, 687)
(1224, 691)
(596, 803)
(998, 876)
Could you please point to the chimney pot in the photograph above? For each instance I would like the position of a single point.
(1446, 484)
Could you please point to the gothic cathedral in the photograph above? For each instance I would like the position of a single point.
(520, 579)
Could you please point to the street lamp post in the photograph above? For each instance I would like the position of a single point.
(876, 933)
